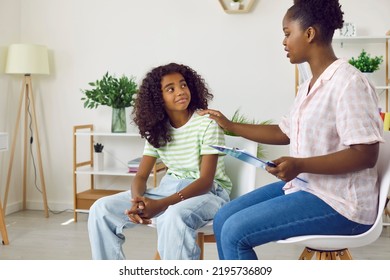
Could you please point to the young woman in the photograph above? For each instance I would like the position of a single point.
(333, 130)
(195, 185)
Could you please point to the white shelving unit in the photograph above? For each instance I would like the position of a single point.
(84, 199)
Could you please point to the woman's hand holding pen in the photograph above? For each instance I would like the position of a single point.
(286, 168)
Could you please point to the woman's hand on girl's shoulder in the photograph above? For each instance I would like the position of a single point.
(217, 116)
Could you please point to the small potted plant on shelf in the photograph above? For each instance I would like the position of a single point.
(365, 63)
(117, 93)
(98, 159)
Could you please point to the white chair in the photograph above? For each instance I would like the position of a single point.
(330, 247)
(242, 175)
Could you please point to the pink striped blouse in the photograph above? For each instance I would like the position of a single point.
(341, 109)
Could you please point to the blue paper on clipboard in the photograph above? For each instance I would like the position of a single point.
(247, 157)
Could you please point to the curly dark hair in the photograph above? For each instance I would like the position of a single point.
(149, 112)
(324, 15)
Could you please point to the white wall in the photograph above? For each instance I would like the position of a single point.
(10, 32)
(241, 57)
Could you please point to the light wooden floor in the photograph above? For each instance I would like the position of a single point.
(34, 237)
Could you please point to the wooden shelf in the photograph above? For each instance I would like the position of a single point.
(85, 199)
(245, 7)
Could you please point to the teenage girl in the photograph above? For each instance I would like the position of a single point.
(195, 186)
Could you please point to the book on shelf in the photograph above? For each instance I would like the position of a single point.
(133, 164)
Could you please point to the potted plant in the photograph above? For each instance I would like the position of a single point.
(98, 163)
(117, 93)
(365, 63)
(235, 4)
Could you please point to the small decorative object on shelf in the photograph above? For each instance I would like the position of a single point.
(365, 63)
(235, 4)
(98, 147)
(98, 162)
(348, 29)
(133, 164)
(117, 93)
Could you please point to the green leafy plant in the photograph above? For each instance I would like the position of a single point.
(365, 63)
(241, 118)
(110, 91)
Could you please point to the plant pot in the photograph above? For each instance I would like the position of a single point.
(235, 5)
(118, 120)
(369, 76)
(98, 161)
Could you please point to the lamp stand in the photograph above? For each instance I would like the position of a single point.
(26, 94)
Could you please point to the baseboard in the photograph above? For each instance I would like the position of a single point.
(13, 207)
(37, 205)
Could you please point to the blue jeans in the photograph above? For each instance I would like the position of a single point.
(267, 214)
(176, 227)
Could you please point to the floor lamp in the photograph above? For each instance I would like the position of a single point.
(26, 59)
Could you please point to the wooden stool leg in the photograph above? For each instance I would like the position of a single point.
(200, 241)
(157, 256)
(322, 255)
(307, 254)
(334, 256)
(344, 254)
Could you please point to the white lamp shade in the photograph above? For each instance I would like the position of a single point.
(27, 59)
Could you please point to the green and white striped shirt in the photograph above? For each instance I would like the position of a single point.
(183, 154)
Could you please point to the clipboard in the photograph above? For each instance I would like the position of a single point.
(244, 156)
(247, 157)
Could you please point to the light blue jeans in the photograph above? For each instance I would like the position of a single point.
(176, 227)
(267, 214)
